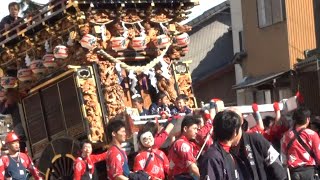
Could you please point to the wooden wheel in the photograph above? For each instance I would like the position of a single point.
(56, 161)
(61, 168)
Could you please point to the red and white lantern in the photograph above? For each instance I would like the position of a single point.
(9, 82)
(49, 61)
(139, 43)
(24, 74)
(37, 67)
(60, 51)
(88, 41)
(182, 40)
(119, 43)
(162, 41)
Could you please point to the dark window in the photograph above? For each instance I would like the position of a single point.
(241, 43)
(270, 12)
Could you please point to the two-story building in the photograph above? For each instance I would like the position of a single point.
(275, 34)
(211, 53)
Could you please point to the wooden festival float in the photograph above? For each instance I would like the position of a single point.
(77, 65)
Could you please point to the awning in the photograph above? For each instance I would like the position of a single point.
(256, 81)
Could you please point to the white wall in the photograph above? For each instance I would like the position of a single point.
(237, 26)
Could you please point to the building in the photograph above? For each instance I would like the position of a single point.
(211, 52)
(275, 34)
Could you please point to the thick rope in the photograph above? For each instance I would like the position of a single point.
(144, 68)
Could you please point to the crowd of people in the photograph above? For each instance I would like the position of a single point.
(212, 144)
(216, 144)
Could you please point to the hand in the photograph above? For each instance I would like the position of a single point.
(206, 115)
(255, 107)
(276, 106)
(300, 98)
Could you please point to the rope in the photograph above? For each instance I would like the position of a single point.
(135, 68)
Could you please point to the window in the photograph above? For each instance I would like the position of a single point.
(241, 43)
(270, 12)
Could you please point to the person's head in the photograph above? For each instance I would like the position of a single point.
(12, 142)
(146, 139)
(152, 127)
(200, 118)
(86, 148)
(236, 110)
(227, 127)
(163, 99)
(181, 101)
(14, 9)
(268, 121)
(315, 124)
(189, 127)
(301, 116)
(116, 131)
(245, 125)
(137, 102)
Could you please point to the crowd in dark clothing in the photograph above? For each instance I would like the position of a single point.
(162, 106)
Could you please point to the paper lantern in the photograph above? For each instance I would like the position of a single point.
(88, 41)
(9, 82)
(37, 67)
(162, 41)
(49, 61)
(182, 39)
(60, 51)
(139, 43)
(119, 43)
(24, 74)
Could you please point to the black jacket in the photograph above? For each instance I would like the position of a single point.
(217, 164)
(10, 20)
(260, 156)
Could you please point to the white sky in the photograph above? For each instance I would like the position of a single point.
(196, 11)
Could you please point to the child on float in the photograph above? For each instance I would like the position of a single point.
(181, 105)
(151, 160)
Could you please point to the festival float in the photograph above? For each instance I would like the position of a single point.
(78, 64)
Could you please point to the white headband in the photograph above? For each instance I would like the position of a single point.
(144, 135)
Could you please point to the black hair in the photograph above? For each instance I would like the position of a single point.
(138, 100)
(150, 126)
(161, 95)
(315, 124)
(197, 116)
(85, 141)
(188, 121)
(13, 4)
(267, 120)
(184, 97)
(300, 115)
(245, 125)
(225, 124)
(114, 126)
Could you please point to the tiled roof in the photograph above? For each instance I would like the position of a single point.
(211, 46)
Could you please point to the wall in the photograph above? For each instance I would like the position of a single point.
(301, 28)
(267, 47)
(237, 27)
(217, 86)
